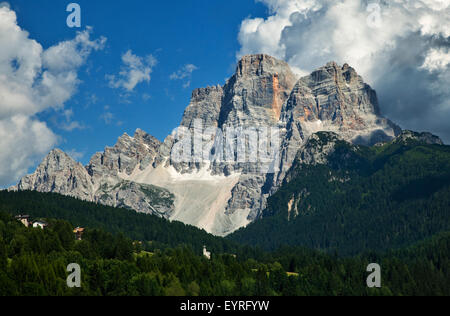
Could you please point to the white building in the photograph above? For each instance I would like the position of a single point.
(24, 219)
(41, 225)
(206, 253)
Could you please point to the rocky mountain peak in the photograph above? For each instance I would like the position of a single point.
(128, 153)
(312, 115)
(59, 173)
(104, 178)
(57, 160)
(57, 156)
(257, 91)
(425, 138)
(143, 137)
(205, 105)
(336, 98)
(343, 77)
(350, 75)
(317, 148)
(140, 134)
(260, 65)
(200, 94)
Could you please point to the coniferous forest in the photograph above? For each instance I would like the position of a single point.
(33, 262)
(387, 205)
(363, 199)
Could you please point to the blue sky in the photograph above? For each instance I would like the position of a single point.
(177, 33)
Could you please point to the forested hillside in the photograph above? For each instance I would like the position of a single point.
(33, 262)
(362, 199)
(136, 226)
(387, 204)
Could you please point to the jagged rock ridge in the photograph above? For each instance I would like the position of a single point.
(222, 196)
(101, 180)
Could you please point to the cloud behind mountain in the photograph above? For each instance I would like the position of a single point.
(400, 47)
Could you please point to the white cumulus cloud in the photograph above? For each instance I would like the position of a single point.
(437, 59)
(135, 70)
(185, 73)
(33, 79)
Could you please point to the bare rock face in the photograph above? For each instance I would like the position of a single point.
(317, 148)
(265, 93)
(128, 153)
(59, 173)
(205, 105)
(109, 172)
(256, 93)
(334, 99)
(102, 180)
(253, 97)
(222, 196)
(141, 197)
(425, 138)
(205, 108)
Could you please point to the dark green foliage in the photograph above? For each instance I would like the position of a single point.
(111, 266)
(376, 198)
(115, 220)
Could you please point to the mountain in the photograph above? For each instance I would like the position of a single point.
(233, 148)
(102, 180)
(350, 198)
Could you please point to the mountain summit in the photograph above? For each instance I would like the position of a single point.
(222, 195)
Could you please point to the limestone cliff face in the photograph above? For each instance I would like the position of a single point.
(265, 92)
(103, 179)
(257, 91)
(59, 173)
(127, 154)
(334, 99)
(222, 196)
(205, 105)
(253, 97)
